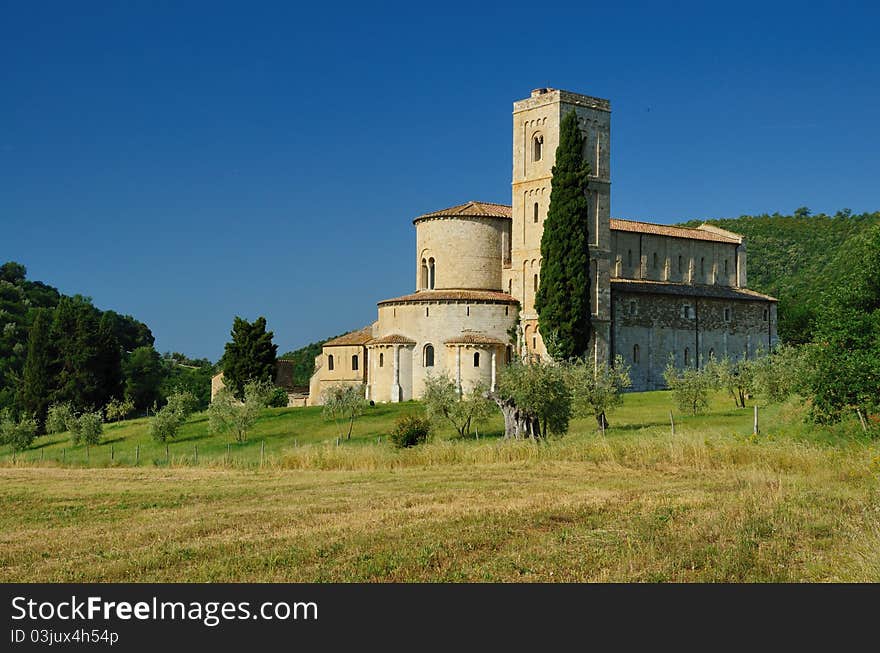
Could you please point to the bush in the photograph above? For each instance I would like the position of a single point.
(59, 418)
(117, 409)
(18, 434)
(91, 427)
(278, 399)
(690, 387)
(167, 420)
(410, 431)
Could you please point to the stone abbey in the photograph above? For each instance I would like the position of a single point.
(658, 292)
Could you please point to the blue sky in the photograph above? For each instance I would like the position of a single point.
(187, 162)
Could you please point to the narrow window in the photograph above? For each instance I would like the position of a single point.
(687, 311)
(424, 274)
(629, 258)
(330, 362)
(680, 265)
(711, 354)
(431, 272)
(727, 315)
(507, 310)
(766, 314)
(632, 308)
(537, 147)
(426, 311)
(654, 266)
(535, 216)
(381, 359)
(725, 267)
(536, 283)
(468, 311)
(636, 354)
(476, 359)
(510, 286)
(534, 343)
(703, 267)
(354, 363)
(687, 356)
(429, 356)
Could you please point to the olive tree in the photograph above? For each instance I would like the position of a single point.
(226, 414)
(596, 389)
(344, 404)
(463, 411)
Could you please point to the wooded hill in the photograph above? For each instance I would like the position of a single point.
(797, 258)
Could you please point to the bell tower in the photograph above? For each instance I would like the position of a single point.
(536, 122)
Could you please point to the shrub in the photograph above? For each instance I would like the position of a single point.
(410, 431)
(690, 387)
(278, 399)
(90, 427)
(59, 418)
(18, 434)
(117, 409)
(167, 420)
(226, 414)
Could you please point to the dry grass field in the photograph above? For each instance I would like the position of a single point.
(708, 504)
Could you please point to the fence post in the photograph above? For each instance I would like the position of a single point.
(63, 455)
(755, 432)
(196, 454)
(337, 442)
(262, 452)
(112, 454)
(227, 453)
(41, 454)
(137, 454)
(862, 420)
(167, 459)
(88, 453)
(672, 421)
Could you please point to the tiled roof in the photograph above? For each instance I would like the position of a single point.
(472, 339)
(453, 295)
(675, 232)
(392, 339)
(359, 337)
(687, 290)
(471, 209)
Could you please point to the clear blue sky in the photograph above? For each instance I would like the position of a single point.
(186, 162)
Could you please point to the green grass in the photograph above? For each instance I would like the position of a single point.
(712, 503)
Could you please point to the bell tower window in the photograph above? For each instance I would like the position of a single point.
(537, 147)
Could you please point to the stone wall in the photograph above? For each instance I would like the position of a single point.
(467, 251)
(649, 329)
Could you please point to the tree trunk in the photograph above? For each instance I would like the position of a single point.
(517, 424)
(602, 421)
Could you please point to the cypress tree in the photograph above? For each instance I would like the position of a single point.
(37, 370)
(563, 298)
(250, 356)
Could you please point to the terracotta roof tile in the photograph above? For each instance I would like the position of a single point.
(359, 337)
(688, 290)
(453, 295)
(392, 339)
(675, 232)
(471, 209)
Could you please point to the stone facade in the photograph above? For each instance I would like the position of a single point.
(658, 291)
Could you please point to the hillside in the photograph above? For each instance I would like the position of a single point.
(796, 258)
(304, 360)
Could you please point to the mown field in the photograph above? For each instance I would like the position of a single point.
(712, 503)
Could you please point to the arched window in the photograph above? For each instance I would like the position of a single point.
(727, 315)
(429, 355)
(766, 314)
(632, 308)
(381, 359)
(702, 266)
(476, 359)
(536, 283)
(680, 265)
(687, 356)
(510, 286)
(711, 353)
(535, 216)
(537, 147)
(654, 266)
(725, 267)
(354, 363)
(636, 354)
(431, 273)
(424, 274)
(330, 362)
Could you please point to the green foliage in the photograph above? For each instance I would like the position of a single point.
(19, 434)
(279, 398)
(117, 409)
(563, 297)
(442, 402)
(59, 417)
(249, 356)
(344, 404)
(540, 392)
(690, 387)
(36, 383)
(844, 361)
(183, 374)
(736, 378)
(226, 414)
(167, 420)
(596, 389)
(781, 374)
(143, 377)
(410, 430)
(87, 427)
